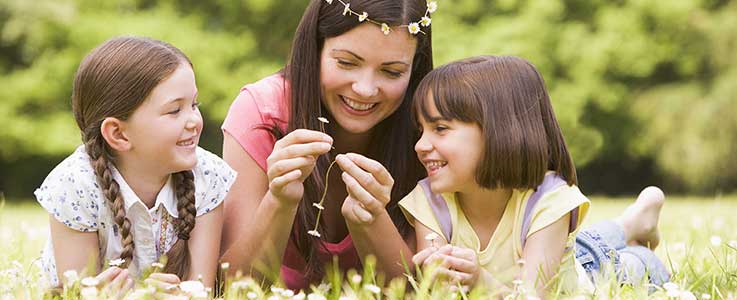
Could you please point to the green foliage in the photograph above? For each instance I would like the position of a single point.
(662, 72)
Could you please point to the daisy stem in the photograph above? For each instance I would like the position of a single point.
(324, 193)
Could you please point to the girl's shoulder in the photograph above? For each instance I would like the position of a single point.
(213, 179)
(70, 192)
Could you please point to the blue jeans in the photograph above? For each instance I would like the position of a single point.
(603, 244)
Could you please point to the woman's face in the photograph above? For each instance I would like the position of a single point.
(364, 75)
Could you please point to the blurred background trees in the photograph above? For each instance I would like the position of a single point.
(645, 90)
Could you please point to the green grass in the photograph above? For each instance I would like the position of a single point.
(690, 228)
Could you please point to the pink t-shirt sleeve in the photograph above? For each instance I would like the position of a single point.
(258, 106)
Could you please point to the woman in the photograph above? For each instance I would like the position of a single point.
(357, 65)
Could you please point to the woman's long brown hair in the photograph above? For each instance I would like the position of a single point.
(392, 139)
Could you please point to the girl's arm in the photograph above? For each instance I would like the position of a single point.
(76, 250)
(369, 187)
(259, 216)
(203, 251)
(543, 252)
(73, 250)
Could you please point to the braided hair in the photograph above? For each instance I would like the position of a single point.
(112, 82)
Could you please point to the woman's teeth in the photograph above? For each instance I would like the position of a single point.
(185, 143)
(358, 106)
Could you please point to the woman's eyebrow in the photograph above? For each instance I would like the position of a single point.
(362, 59)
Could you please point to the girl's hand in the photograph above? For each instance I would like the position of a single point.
(455, 263)
(292, 160)
(369, 187)
(115, 282)
(168, 283)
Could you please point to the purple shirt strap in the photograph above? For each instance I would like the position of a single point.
(551, 182)
(439, 208)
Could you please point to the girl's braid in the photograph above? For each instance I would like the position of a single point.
(111, 191)
(178, 261)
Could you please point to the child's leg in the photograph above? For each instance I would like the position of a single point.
(639, 261)
(640, 220)
(607, 241)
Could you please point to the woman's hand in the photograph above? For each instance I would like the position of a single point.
(369, 187)
(115, 282)
(292, 160)
(457, 264)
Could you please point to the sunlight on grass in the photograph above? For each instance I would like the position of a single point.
(699, 246)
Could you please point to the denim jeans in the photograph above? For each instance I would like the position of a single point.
(603, 244)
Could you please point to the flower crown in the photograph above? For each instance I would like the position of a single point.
(412, 27)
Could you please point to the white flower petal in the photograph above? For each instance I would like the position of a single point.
(191, 286)
(432, 236)
(347, 9)
(116, 262)
(385, 29)
(715, 241)
(432, 6)
(319, 206)
(323, 119)
(314, 233)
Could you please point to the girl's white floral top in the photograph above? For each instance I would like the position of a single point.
(72, 195)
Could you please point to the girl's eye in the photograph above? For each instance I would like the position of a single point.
(440, 128)
(174, 112)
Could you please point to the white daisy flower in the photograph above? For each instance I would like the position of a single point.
(385, 29)
(715, 240)
(319, 206)
(362, 17)
(356, 279)
(71, 276)
(432, 6)
(116, 262)
(323, 119)
(686, 295)
(669, 286)
(316, 297)
(192, 286)
(372, 288)
(329, 1)
(413, 28)
(432, 236)
(300, 296)
(347, 9)
(314, 233)
(425, 21)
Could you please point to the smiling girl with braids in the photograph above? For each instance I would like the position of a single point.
(139, 188)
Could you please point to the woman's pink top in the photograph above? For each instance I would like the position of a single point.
(266, 103)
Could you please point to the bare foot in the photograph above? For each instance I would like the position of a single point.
(640, 219)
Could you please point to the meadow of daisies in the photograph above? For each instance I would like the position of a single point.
(699, 247)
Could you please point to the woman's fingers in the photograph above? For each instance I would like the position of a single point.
(296, 150)
(361, 195)
(376, 169)
(284, 166)
(302, 136)
(280, 182)
(365, 180)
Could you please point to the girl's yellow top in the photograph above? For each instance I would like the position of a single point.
(504, 249)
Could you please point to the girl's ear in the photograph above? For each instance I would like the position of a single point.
(112, 130)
